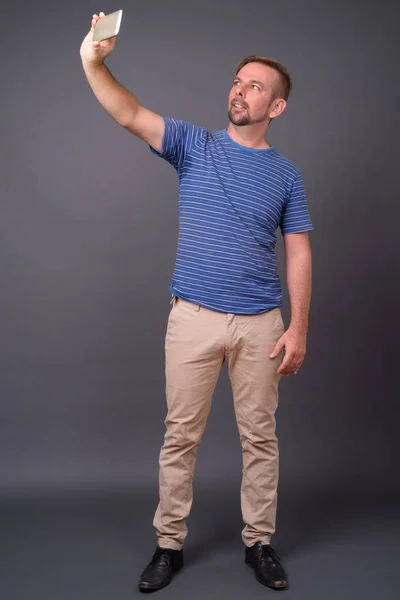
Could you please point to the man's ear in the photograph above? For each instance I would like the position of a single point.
(278, 107)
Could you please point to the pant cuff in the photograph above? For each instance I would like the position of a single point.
(263, 540)
(168, 543)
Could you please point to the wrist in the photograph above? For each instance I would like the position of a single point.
(299, 328)
(89, 65)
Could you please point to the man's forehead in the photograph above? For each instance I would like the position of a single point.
(260, 71)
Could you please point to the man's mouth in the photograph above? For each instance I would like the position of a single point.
(238, 105)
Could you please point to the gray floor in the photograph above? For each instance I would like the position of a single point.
(78, 545)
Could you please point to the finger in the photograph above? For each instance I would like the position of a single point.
(294, 370)
(287, 366)
(278, 348)
(282, 373)
(286, 373)
(283, 369)
(94, 21)
(108, 42)
(102, 14)
(297, 364)
(296, 367)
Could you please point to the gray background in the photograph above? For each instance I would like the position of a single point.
(88, 239)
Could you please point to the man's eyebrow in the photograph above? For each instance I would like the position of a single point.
(251, 81)
(256, 81)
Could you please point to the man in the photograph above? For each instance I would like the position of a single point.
(235, 190)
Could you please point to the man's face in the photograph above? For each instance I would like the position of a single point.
(250, 98)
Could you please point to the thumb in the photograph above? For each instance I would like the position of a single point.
(96, 46)
(279, 346)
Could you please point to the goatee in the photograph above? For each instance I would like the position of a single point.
(239, 119)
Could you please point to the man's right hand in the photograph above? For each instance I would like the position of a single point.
(116, 99)
(94, 53)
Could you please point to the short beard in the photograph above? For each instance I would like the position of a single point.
(239, 120)
(245, 119)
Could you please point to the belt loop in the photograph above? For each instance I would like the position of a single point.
(173, 300)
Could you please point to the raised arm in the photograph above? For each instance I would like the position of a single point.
(116, 99)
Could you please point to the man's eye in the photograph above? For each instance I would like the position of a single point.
(256, 86)
(235, 82)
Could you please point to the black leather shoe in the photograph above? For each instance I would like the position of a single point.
(267, 566)
(158, 573)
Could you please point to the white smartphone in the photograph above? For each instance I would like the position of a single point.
(107, 26)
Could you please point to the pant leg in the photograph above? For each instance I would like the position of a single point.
(194, 353)
(254, 380)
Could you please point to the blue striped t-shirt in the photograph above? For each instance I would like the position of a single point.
(231, 201)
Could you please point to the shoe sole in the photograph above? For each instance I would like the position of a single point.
(143, 587)
(270, 585)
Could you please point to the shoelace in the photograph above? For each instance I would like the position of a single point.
(267, 552)
(162, 553)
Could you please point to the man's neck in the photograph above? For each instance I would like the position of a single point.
(248, 135)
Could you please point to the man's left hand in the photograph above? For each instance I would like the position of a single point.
(295, 350)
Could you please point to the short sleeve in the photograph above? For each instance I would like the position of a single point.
(295, 215)
(179, 138)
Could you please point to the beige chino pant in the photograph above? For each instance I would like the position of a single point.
(198, 341)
